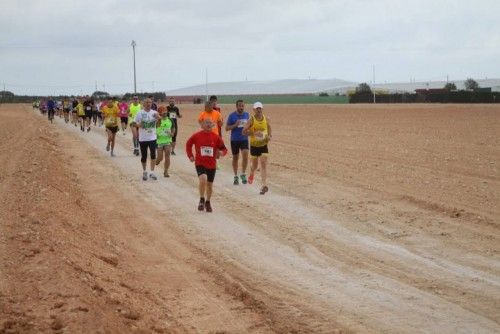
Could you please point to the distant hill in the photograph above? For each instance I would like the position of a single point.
(313, 86)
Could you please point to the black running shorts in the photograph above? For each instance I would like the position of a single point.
(113, 129)
(210, 173)
(238, 145)
(257, 151)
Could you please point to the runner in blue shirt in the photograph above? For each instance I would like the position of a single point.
(239, 142)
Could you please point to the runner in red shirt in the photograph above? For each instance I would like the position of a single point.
(208, 147)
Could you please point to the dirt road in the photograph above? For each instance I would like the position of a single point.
(378, 219)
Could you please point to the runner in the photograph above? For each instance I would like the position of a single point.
(51, 108)
(173, 113)
(208, 146)
(98, 106)
(215, 106)
(95, 111)
(134, 108)
(239, 142)
(110, 112)
(164, 133)
(74, 111)
(80, 109)
(88, 105)
(154, 106)
(59, 108)
(146, 122)
(259, 129)
(123, 106)
(66, 109)
(212, 114)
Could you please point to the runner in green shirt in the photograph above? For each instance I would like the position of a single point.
(164, 132)
(134, 108)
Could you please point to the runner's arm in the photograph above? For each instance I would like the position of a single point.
(231, 126)
(189, 148)
(269, 134)
(246, 130)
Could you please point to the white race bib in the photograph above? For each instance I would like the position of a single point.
(259, 135)
(172, 115)
(207, 151)
(242, 123)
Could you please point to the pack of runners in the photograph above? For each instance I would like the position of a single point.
(154, 131)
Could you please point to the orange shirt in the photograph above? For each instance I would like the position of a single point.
(216, 118)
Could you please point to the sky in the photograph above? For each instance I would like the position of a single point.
(72, 46)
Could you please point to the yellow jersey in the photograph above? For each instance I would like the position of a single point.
(79, 109)
(259, 136)
(110, 115)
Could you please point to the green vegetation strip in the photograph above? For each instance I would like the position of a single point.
(284, 99)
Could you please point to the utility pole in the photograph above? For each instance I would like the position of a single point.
(373, 88)
(206, 83)
(133, 51)
(95, 86)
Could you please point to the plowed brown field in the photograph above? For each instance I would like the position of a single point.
(379, 219)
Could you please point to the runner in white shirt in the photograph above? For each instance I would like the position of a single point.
(146, 122)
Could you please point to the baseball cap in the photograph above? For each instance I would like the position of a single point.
(257, 105)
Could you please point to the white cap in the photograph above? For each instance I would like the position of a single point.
(257, 105)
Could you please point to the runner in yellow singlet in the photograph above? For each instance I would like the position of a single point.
(110, 113)
(134, 108)
(258, 128)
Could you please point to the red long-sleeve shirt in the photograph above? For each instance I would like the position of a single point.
(206, 145)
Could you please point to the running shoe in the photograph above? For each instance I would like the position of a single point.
(201, 205)
(250, 179)
(173, 153)
(264, 190)
(243, 178)
(208, 207)
(88, 129)
(153, 176)
(107, 147)
(144, 176)
(136, 151)
(165, 173)
(236, 181)
(112, 154)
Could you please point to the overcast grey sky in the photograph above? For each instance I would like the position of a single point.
(55, 46)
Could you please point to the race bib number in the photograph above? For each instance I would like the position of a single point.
(242, 122)
(172, 115)
(165, 132)
(88, 108)
(149, 131)
(259, 135)
(207, 151)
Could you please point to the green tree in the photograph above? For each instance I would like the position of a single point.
(450, 86)
(363, 88)
(471, 84)
(6, 93)
(99, 95)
